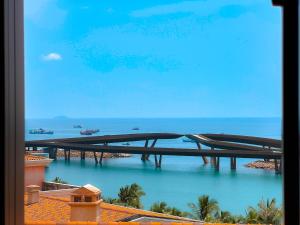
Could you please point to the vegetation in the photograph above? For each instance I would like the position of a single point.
(162, 207)
(205, 209)
(266, 212)
(129, 195)
(59, 180)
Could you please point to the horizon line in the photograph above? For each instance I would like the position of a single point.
(204, 117)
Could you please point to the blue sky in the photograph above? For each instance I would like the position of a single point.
(167, 58)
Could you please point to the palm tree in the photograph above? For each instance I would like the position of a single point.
(251, 215)
(204, 208)
(130, 195)
(268, 212)
(227, 217)
(159, 207)
(176, 212)
(59, 180)
(162, 207)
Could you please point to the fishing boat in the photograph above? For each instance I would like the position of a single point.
(89, 131)
(77, 126)
(40, 131)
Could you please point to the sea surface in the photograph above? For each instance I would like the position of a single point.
(181, 179)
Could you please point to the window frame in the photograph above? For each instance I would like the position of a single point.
(12, 133)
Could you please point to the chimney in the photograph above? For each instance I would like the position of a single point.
(85, 204)
(33, 194)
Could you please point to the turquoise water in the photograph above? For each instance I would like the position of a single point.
(181, 179)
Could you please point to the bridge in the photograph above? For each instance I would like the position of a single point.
(214, 146)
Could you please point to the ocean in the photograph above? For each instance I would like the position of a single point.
(181, 179)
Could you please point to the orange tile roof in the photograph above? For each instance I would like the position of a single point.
(34, 157)
(57, 209)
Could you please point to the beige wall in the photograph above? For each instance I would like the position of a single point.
(34, 175)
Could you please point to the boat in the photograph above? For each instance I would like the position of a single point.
(77, 126)
(89, 131)
(86, 132)
(127, 143)
(135, 128)
(40, 131)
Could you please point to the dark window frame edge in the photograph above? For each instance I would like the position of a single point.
(13, 111)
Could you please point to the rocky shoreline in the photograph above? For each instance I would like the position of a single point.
(76, 154)
(261, 164)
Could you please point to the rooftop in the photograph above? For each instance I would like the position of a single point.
(34, 157)
(55, 209)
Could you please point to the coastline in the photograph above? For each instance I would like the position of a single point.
(77, 154)
(261, 164)
(73, 154)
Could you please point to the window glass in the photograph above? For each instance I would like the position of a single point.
(164, 106)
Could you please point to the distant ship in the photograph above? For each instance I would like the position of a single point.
(89, 132)
(40, 131)
(135, 128)
(127, 143)
(77, 126)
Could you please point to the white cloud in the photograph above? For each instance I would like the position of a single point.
(52, 57)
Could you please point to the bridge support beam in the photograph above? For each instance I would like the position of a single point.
(101, 157)
(280, 166)
(55, 154)
(96, 159)
(158, 162)
(52, 152)
(69, 154)
(217, 163)
(233, 163)
(277, 169)
(144, 156)
(82, 155)
(205, 160)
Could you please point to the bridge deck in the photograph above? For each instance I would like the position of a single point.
(160, 151)
(113, 138)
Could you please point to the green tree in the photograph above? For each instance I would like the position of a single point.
(162, 207)
(267, 212)
(59, 180)
(130, 195)
(251, 215)
(227, 217)
(204, 209)
(159, 207)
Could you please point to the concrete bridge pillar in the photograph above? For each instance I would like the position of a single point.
(277, 166)
(233, 163)
(82, 155)
(217, 163)
(144, 156)
(205, 160)
(96, 159)
(158, 162)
